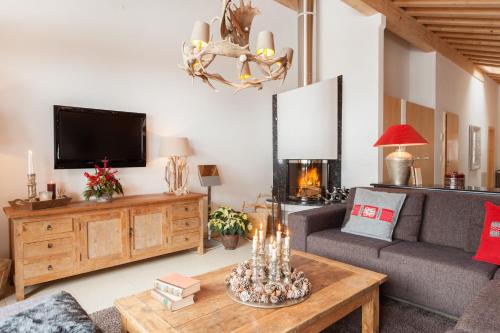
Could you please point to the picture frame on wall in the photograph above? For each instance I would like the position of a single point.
(474, 148)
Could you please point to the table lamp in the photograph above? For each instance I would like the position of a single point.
(176, 149)
(399, 163)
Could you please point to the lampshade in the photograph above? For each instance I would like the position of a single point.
(245, 72)
(400, 135)
(265, 44)
(201, 34)
(174, 146)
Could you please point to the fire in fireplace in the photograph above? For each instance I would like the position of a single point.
(306, 180)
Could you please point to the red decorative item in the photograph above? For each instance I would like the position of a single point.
(103, 184)
(400, 135)
(489, 249)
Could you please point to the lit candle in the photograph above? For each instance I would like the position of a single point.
(278, 235)
(261, 233)
(274, 254)
(271, 244)
(287, 239)
(255, 244)
(30, 163)
(51, 187)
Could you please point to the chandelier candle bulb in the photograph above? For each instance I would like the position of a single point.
(201, 34)
(244, 71)
(265, 44)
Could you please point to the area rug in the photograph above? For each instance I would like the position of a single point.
(396, 317)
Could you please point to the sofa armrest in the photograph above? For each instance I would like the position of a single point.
(306, 222)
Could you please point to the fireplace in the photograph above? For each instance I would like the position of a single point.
(307, 180)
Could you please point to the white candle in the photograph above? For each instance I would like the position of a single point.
(271, 245)
(274, 254)
(261, 234)
(30, 163)
(255, 244)
(278, 235)
(287, 240)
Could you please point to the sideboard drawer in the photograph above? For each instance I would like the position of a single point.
(40, 229)
(185, 211)
(185, 224)
(48, 267)
(48, 248)
(186, 239)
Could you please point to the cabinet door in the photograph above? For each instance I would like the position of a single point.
(104, 238)
(149, 229)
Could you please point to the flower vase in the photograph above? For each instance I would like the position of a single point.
(105, 198)
(230, 242)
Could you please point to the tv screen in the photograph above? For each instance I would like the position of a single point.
(85, 137)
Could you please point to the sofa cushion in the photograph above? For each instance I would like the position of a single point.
(348, 248)
(476, 221)
(482, 315)
(410, 217)
(374, 214)
(442, 278)
(489, 249)
(497, 275)
(59, 313)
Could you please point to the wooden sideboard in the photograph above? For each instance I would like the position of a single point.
(82, 237)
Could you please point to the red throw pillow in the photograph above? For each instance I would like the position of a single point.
(489, 249)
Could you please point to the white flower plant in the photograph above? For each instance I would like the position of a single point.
(229, 222)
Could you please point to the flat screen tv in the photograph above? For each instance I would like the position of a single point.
(85, 137)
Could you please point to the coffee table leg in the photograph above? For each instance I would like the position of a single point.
(371, 314)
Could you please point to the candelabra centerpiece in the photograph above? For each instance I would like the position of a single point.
(267, 280)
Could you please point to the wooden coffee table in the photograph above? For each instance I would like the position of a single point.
(338, 289)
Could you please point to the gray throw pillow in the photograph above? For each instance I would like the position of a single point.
(374, 214)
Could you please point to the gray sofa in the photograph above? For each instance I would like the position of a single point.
(429, 262)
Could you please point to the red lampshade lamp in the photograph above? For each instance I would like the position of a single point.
(399, 163)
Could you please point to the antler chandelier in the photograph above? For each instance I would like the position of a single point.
(235, 26)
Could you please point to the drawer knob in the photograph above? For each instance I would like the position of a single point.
(186, 209)
(49, 227)
(186, 239)
(50, 268)
(50, 245)
(187, 224)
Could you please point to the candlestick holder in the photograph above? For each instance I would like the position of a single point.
(286, 266)
(31, 187)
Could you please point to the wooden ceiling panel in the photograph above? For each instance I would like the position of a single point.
(472, 27)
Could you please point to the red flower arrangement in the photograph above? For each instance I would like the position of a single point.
(103, 184)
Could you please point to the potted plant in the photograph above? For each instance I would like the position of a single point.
(230, 224)
(103, 184)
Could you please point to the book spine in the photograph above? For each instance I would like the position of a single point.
(167, 288)
(163, 300)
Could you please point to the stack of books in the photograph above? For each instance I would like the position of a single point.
(175, 291)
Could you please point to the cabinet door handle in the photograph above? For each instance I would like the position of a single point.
(50, 268)
(49, 227)
(50, 245)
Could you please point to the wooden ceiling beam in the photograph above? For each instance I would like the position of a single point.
(467, 22)
(292, 4)
(468, 30)
(459, 41)
(485, 63)
(448, 3)
(469, 53)
(466, 48)
(479, 58)
(461, 35)
(486, 13)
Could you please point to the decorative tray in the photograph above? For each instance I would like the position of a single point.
(38, 205)
(288, 302)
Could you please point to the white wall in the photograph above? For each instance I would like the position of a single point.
(352, 45)
(409, 73)
(475, 102)
(123, 55)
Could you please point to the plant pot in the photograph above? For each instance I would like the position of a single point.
(105, 198)
(230, 242)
